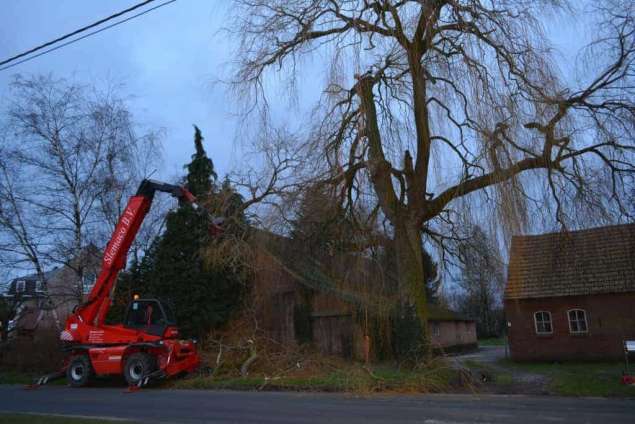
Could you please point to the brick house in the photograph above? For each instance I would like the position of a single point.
(36, 310)
(571, 296)
(296, 305)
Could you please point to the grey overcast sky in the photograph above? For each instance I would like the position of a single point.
(167, 60)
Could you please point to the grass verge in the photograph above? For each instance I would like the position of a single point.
(15, 377)
(52, 419)
(19, 377)
(577, 378)
(325, 376)
(354, 378)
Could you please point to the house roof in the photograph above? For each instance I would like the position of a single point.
(441, 313)
(89, 255)
(30, 289)
(594, 261)
(36, 277)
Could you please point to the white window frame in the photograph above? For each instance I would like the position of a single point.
(586, 321)
(39, 286)
(20, 286)
(541, 333)
(436, 329)
(88, 283)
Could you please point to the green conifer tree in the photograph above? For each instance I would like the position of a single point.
(201, 177)
(174, 268)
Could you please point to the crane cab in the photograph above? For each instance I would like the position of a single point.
(151, 316)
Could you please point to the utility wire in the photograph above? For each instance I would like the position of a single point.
(64, 37)
(82, 37)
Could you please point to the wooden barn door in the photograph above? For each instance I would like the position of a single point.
(333, 334)
(282, 329)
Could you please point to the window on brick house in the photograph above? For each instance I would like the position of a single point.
(436, 329)
(542, 320)
(20, 286)
(89, 282)
(577, 321)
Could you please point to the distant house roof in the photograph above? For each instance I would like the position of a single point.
(36, 277)
(31, 288)
(441, 313)
(89, 255)
(594, 261)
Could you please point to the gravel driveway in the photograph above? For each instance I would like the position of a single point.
(490, 357)
(484, 354)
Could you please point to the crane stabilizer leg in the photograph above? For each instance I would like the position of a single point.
(155, 375)
(144, 381)
(45, 379)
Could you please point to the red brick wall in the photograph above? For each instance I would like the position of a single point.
(446, 334)
(610, 320)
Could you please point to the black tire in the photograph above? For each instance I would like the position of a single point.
(79, 371)
(137, 366)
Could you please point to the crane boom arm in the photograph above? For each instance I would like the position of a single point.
(96, 307)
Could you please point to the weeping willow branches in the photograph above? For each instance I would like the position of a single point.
(435, 102)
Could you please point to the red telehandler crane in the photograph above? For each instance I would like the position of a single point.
(146, 345)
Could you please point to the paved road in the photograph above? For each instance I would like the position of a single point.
(185, 406)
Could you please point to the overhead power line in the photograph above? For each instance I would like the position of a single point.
(64, 37)
(101, 21)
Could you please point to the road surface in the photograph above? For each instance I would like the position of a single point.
(186, 406)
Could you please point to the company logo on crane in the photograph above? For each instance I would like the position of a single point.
(124, 226)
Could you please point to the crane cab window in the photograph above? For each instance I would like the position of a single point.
(147, 313)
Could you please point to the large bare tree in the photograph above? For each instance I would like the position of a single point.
(430, 102)
(70, 155)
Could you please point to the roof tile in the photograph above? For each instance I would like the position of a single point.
(593, 261)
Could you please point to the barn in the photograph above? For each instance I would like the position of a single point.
(339, 303)
(571, 295)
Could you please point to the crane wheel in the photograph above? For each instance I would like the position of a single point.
(137, 366)
(79, 371)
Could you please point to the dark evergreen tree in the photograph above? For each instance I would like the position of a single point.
(201, 176)
(174, 269)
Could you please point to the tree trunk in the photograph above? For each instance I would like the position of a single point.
(408, 248)
(410, 270)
